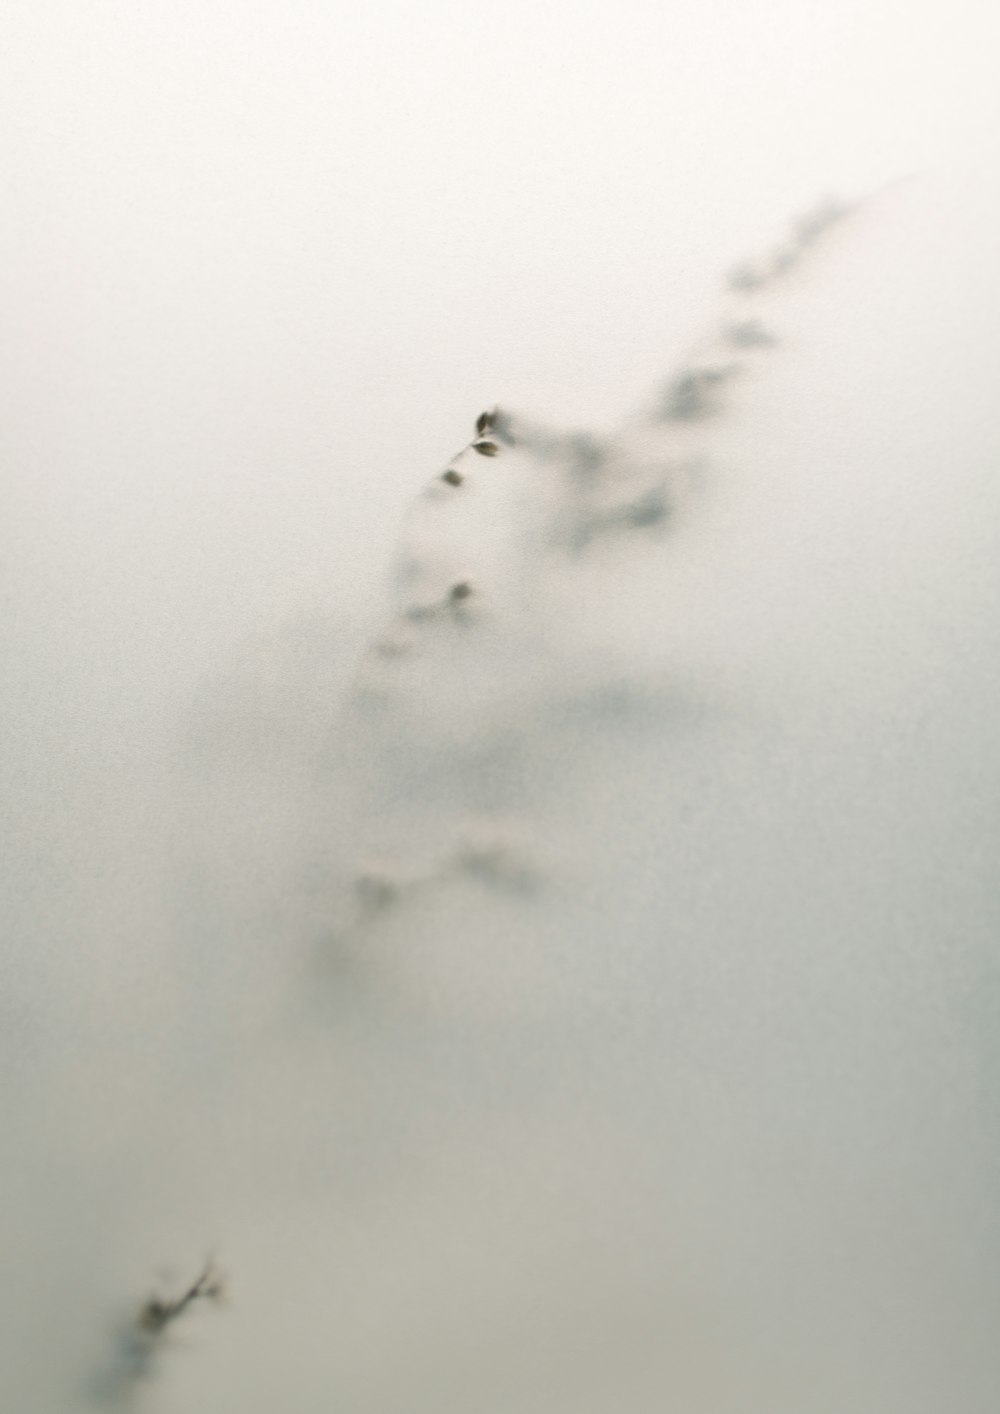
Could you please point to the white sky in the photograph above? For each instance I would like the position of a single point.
(268, 237)
(260, 266)
(258, 261)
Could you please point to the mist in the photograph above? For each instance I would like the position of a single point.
(516, 898)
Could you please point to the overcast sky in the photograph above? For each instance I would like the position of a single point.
(670, 1083)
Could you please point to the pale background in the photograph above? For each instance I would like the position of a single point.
(715, 1131)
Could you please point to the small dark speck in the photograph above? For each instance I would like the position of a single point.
(485, 447)
(452, 477)
(460, 591)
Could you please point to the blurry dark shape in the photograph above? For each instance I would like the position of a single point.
(410, 566)
(502, 426)
(141, 1338)
(784, 257)
(688, 397)
(589, 455)
(420, 613)
(424, 613)
(391, 648)
(746, 277)
(652, 508)
(340, 971)
(751, 276)
(452, 477)
(376, 891)
(649, 509)
(750, 333)
(485, 447)
(494, 420)
(157, 1313)
(491, 861)
(815, 222)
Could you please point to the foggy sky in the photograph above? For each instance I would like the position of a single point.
(587, 1006)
